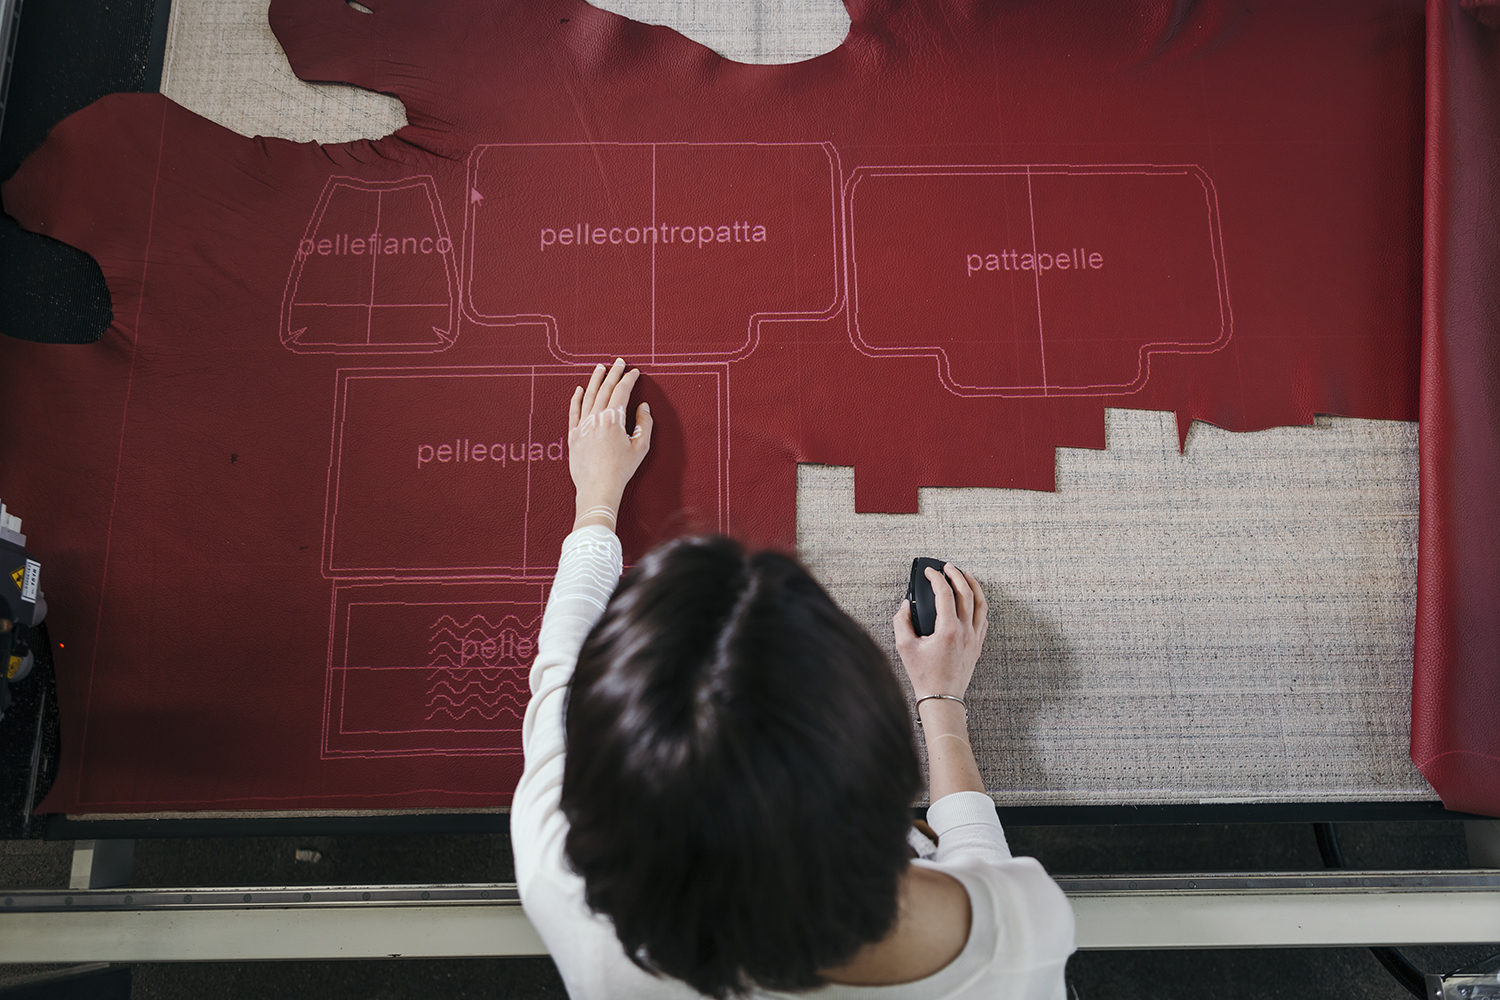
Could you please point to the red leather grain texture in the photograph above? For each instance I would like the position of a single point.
(1455, 731)
(302, 501)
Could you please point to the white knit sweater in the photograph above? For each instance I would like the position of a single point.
(1022, 928)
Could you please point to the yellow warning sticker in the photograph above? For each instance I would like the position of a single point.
(19, 576)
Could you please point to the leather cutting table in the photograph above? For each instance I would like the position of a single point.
(1144, 614)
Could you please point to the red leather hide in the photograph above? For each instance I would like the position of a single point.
(299, 507)
(1455, 726)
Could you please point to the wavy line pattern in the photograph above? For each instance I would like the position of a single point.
(446, 662)
(472, 709)
(454, 623)
(509, 639)
(482, 634)
(496, 702)
(477, 668)
(514, 688)
(496, 695)
(484, 673)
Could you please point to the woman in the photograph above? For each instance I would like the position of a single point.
(720, 769)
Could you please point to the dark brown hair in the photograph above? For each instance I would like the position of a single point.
(740, 771)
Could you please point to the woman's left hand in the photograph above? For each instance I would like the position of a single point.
(601, 455)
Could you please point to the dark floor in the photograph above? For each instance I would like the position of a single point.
(72, 51)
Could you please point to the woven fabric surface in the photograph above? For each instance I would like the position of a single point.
(1229, 624)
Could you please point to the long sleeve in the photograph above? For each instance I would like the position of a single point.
(587, 574)
(583, 944)
(967, 828)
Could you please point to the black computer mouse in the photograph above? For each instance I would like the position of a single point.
(919, 593)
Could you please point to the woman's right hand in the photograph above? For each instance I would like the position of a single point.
(602, 455)
(943, 663)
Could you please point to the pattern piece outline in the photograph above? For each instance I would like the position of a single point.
(336, 678)
(548, 321)
(445, 338)
(1144, 353)
(527, 571)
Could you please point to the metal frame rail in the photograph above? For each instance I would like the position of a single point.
(1292, 910)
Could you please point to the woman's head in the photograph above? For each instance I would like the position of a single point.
(739, 773)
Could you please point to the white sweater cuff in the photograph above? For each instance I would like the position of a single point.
(962, 809)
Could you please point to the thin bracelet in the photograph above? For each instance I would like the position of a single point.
(944, 697)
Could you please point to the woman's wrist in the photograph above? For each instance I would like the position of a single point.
(951, 692)
(601, 516)
(950, 757)
(938, 715)
(596, 508)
